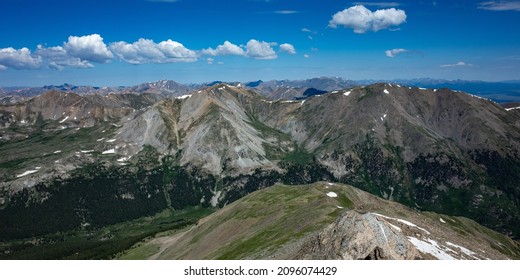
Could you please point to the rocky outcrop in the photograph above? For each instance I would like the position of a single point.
(359, 236)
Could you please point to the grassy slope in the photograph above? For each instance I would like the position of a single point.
(258, 224)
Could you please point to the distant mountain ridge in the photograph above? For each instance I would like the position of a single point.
(501, 92)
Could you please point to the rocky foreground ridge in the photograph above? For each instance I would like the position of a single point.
(328, 221)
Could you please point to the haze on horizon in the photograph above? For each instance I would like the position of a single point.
(116, 42)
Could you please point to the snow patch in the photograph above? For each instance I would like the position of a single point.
(100, 139)
(335, 91)
(514, 108)
(57, 152)
(403, 222)
(332, 194)
(86, 151)
(111, 140)
(430, 247)
(27, 173)
(395, 227)
(111, 151)
(183, 96)
(386, 91)
(66, 117)
(463, 249)
(339, 207)
(303, 101)
(442, 221)
(123, 159)
(475, 96)
(347, 93)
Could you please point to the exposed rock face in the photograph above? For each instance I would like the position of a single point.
(359, 236)
(147, 128)
(211, 129)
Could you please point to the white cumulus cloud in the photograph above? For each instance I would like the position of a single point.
(288, 48)
(361, 19)
(19, 59)
(458, 64)
(500, 6)
(260, 49)
(147, 51)
(394, 52)
(89, 47)
(227, 48)
(86, 51)
(58, 58)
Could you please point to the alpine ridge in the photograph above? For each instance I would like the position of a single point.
(326, 221)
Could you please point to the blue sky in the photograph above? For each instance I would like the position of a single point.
(117, 42)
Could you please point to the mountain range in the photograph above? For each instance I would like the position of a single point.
(83, 162)
(501, 92)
